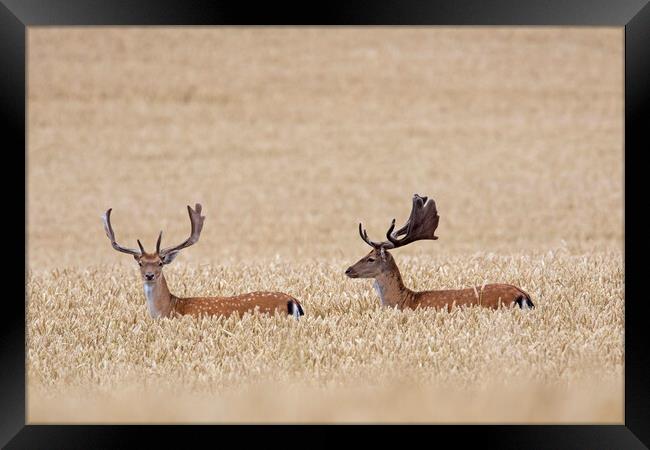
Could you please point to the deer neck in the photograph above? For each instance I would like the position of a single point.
(391, 289)
(159, 299)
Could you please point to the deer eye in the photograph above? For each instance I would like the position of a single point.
(160, 263)
(140, 263)
(371, 259)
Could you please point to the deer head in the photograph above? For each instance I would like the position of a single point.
(151, 264)
(421, 225)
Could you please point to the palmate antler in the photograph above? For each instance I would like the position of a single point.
(421, 225)
(196, 219)
(106, 218)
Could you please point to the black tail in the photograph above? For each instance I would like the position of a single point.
(524, 302)
(294, 308)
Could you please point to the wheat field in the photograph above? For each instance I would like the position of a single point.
(289, 137)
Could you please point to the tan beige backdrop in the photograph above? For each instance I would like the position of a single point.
(289, 137)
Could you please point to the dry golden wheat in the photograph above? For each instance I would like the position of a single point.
(91, 328)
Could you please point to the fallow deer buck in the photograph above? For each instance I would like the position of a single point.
(380, 265)
(163, 303)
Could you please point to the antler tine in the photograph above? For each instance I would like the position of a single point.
(422, 223)
(158, 242)
(196, 221)
(390, 230)
(106, 219)
(140, 245)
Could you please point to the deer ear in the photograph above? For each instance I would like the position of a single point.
(169, 257)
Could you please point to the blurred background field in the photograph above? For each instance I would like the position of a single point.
(289, 137)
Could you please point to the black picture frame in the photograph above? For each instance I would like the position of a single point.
(633, 15)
